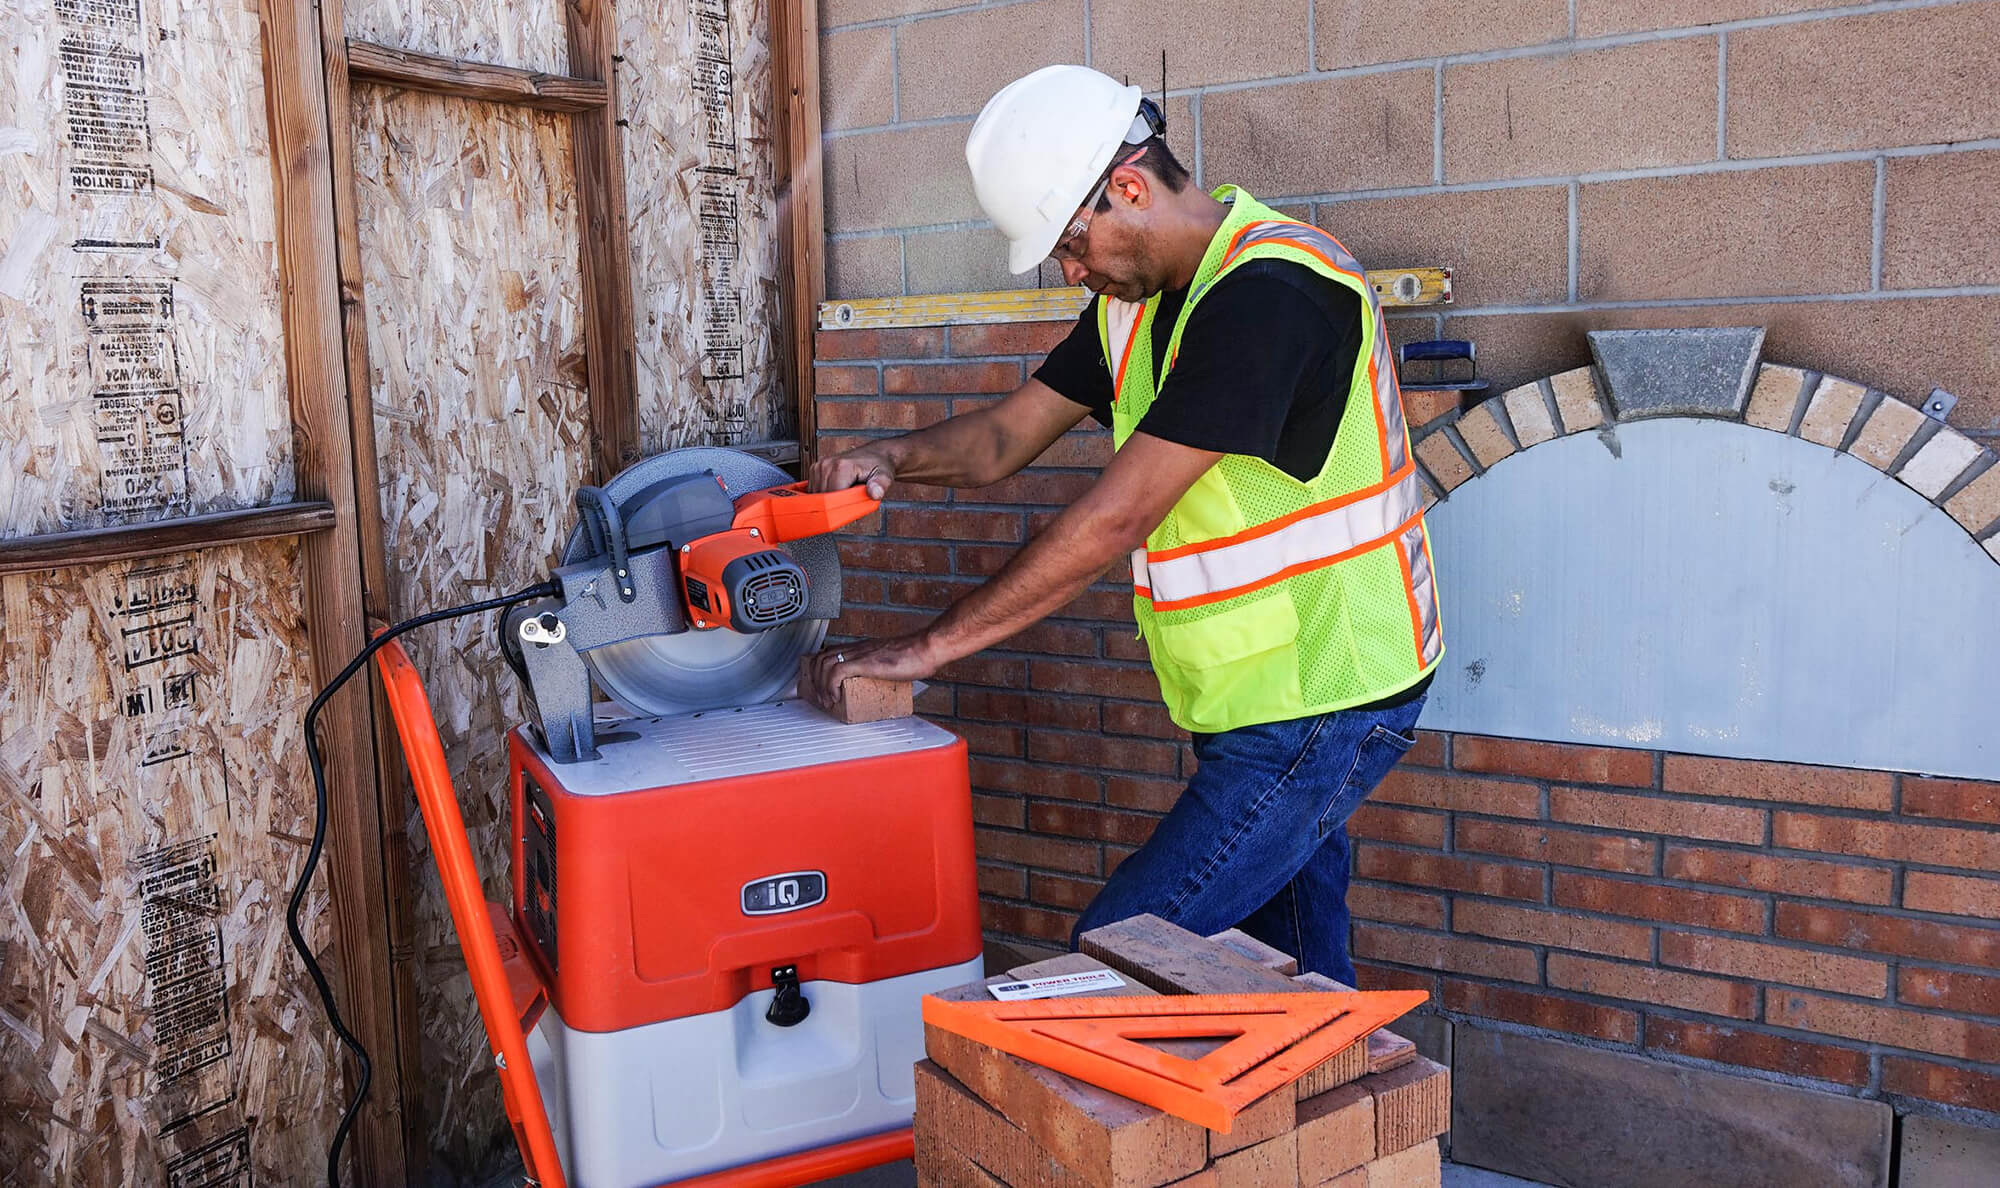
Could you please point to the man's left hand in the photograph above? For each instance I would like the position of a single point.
(897, 658)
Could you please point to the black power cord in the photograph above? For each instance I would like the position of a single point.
(539, 590)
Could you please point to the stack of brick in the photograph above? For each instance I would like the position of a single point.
(1367, 1117)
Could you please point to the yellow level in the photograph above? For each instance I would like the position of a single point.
(1394, 286)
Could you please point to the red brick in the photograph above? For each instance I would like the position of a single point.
(1946, 990)
(894, 556)
(1378, 822)
(1541, 1010)
(1008, 812)
(1953, 895)
(1146, 721)
(1448, 873)
(1130, 682)
(1429, 751)
(915, 343)
(1113, 856)
(982, 561)
(1559, 930)
(954, 524)
(900, 415)
(996, 705)
(1877, 933)
(1559, 847)
(993, 671)
(1024, 849)
(925, 379)
(1421, 408)
(1118, 754)
(1932, 845)
(1123, 645)
(1390, 905)
(832, 445)
(1746, 779)
(1336, 1132)
(842, 381)
(872, 622)
(1644, 983)
(1113, 606)
(1033, 779)
(936, 701)
(1961, 800)
(1034, 923)
(1436, 951)
(1053, 639)
(984, 738)
(1803, 877)
(1046, 488)
(1007, 882)
(860, 589)
(1552, 761)
(1081, 821)
(1058, 891)
(1384, 977)
(1937, 1034)
(1137, 792)
(1442, 790)
(929, 593)
(1775, 963)
(1646, 901)
(1008, 338)
(1755, 1049)
(1412, 1104)
(1936, 1082)
(1652, 814)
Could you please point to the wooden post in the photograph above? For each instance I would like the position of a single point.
(611, 365)
(801, 202)
(392, 836)
(295, 90)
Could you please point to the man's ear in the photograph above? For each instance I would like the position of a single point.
(1131, 186)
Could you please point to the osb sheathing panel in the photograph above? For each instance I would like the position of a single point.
(695, 90)
(469, 251)
(141, 364)
(524, 33)
(155, 1026)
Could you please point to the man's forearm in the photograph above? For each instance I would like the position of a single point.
(964, 451)
(1054, 568)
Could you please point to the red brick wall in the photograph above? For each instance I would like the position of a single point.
(1837, 925)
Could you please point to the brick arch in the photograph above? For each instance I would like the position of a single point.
(1947, 468)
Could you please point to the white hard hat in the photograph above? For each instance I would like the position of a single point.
(1038, 148)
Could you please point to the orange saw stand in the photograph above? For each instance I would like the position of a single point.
(510, 990)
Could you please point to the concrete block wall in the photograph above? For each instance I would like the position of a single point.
(1822, 169)
(1833, 928)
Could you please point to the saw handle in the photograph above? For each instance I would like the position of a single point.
(791, 512)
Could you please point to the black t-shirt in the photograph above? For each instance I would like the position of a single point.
(1264, 369)
(1264, 366)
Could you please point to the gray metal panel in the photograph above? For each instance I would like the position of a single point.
(1720, 590)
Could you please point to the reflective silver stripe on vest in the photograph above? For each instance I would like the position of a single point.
(1121, 321)
(1429, 639)
(1223, 568)
(1388, 398)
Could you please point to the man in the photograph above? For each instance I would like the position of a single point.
(1282, 576)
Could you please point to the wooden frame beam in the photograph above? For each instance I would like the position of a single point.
(456, 77)
(302, 155)
(610, 356)
(126, 542)
(795, 87)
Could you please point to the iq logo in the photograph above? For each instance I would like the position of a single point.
(777, 893)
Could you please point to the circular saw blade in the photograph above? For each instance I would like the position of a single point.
(707, 669)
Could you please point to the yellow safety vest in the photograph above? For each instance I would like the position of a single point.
(1263, 598)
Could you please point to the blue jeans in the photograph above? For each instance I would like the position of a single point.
(1259, 838)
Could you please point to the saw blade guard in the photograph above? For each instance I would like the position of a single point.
(660, 674)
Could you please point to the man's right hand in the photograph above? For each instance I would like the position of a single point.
(865, 465)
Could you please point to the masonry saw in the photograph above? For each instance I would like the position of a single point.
(725, 904)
